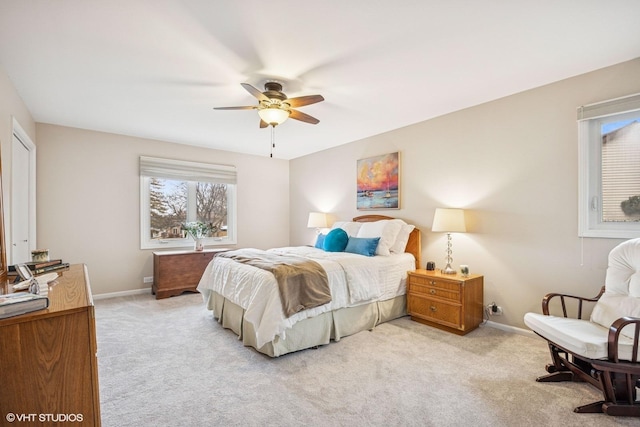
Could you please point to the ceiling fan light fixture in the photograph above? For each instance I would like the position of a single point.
(273, 115)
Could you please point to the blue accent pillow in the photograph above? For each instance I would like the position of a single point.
(336, 240)
(320, 241)
(362, 245)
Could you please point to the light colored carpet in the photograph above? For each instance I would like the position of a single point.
(168, 363)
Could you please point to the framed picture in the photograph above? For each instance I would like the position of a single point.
(25, 274)
(23, 271)
(377, 184)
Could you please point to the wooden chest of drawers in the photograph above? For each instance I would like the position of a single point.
(175, 272)
(446, 301)
(49, 363)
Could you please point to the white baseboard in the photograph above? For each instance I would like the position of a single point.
(123, 293)
(512, 329)
(489, 323)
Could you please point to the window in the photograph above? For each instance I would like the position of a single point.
(173, 192)
(609, 167)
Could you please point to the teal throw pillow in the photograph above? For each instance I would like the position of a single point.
(336, 240)
(362, 245)
(320, 241)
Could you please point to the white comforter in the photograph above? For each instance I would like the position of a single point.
(353, 279)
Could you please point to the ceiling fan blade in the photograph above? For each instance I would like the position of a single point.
(297, 115)
(304, 100)
(263, 124)
(255, 92)
(235, 108)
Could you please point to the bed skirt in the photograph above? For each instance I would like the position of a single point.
(311, 332)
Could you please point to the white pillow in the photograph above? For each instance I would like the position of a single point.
(403, 238)
(387, 231)
(350, 227)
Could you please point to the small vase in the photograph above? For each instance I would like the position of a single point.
(199, 245)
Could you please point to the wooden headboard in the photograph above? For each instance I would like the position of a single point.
(414, 245)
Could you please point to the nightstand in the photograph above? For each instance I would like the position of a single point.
(446, 301)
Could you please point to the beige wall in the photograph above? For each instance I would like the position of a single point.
(511, 163)
(89, 206)
(11, 107)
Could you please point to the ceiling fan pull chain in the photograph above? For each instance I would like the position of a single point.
(273, 142)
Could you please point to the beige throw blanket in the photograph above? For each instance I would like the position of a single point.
(303, 283)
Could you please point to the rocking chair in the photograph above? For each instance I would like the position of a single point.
(603, 350)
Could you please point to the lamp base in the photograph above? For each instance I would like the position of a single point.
(448, 270)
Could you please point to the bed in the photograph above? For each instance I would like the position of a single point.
(365, 290)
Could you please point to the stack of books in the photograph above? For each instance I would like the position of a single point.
(42, 267)
(21, 302)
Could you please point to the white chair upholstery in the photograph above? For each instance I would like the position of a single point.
(581, 337)
(602, 350)
(622, 286)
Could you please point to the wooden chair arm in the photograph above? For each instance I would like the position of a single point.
(614, 334)
(547, 299)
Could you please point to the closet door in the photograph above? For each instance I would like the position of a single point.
(20, 183)
(3, 251)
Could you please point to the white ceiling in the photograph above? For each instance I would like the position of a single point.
(156, 68)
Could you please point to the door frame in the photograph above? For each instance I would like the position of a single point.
(23, 137)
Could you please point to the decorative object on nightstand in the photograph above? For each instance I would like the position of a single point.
(449, 221)
(446, 301)
(317, 220)
(464, 270)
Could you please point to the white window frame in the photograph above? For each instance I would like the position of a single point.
(181, 170)
(590, 119)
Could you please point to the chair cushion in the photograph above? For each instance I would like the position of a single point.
(623, 271)
(582, 337)
(622, 287)
(611, 307)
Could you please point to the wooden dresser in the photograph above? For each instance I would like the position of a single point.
(48, 363)
(446, 301)
(175, 272)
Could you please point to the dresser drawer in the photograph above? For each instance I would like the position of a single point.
(437, 311)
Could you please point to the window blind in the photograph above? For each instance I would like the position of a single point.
(181, 170)
(607, 108)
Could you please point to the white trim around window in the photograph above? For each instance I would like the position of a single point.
(191, 173)
(592, 119)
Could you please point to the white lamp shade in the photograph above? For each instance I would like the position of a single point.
(273, 116)
(317, 220)
(449, 221)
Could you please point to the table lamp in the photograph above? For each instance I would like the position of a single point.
(449, 221)
(317, 220)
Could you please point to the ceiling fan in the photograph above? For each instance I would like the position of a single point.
(274, 107)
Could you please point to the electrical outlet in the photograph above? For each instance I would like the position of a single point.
(148, 279)
(494, 309)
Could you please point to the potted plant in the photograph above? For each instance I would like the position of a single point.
(198, 230)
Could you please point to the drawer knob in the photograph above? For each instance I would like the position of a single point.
(433, 282)
(432, 291)
(433, 308)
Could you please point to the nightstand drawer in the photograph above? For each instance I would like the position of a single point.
(453, 285)
(435, 288)
(441, 312)
(433, 291)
